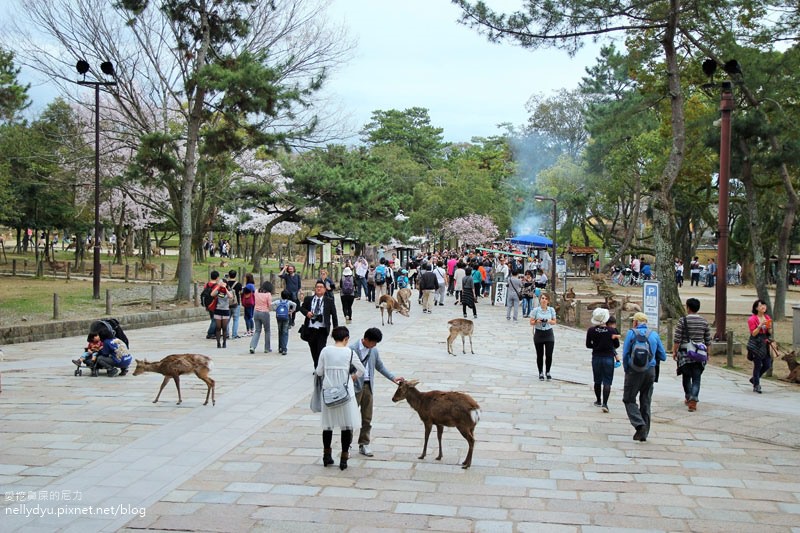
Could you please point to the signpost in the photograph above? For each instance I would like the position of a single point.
(651, 301)
(500, 293)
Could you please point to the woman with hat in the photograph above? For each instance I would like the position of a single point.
(348, 292)
(603, 341)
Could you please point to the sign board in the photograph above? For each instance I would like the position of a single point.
(651, 301)
(326, 253)
(500, 293)
(311, 250)
(561, 265)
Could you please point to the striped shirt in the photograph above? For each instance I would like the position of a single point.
(692, 327)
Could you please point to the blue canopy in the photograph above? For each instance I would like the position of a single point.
(532, 240)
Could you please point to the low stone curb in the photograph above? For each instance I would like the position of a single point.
(70, 328)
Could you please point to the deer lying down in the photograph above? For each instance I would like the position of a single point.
(451, 409)
(172, 366)
(391, 305)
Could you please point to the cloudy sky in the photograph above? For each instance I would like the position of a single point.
(414, 53)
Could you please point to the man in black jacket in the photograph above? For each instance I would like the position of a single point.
(427, 284)
(320, 313)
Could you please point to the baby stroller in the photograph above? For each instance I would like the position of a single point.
(108, 328)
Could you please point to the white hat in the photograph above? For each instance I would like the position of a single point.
(347, 271)
(600, 316)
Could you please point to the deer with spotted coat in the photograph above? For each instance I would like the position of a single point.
(172, 366)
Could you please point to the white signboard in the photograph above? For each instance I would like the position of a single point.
(312, 254)
(500, 293)
(651, 300)
(561, 265)
(326, 253)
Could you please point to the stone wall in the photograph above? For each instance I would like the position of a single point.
(71, 328)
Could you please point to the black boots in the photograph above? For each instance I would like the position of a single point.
(343, 460)
(327, 458)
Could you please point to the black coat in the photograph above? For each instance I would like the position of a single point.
(328, 311)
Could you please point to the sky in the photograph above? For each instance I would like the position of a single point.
(414, 53)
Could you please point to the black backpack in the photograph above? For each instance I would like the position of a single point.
(205, 296)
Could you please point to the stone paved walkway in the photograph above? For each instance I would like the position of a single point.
(545, 458)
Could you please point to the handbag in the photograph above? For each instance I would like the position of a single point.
(695, 351)
(338, 394)
(316, 395)
(756, 346)
(305, 333)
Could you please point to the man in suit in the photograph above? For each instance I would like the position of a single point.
(320, 313)
(367, 352)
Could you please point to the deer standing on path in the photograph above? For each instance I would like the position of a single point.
(463, 327)
(172, 366)
(391, 305)
(451, 409)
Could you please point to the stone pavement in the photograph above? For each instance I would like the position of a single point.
(94, 454)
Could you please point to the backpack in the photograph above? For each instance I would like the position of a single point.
(205, 298)
(371, 277)
(233, 293)
(282, 311)
(348, 287)
(380, 277)
(248, 298)
(641, 355)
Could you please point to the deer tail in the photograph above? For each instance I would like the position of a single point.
(475, 414)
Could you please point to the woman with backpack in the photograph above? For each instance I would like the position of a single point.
(283, 310)
(249, 302)
(348, 293)
(261, 317)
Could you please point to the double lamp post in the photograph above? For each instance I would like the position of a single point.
(540, 198)
(108, 69)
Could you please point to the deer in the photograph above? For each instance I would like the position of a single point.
(463, 327)
(794, 367)
(404, 297)
(439, 408)
(149, 267)
(173, 366)
(391, 305)
(628, 305)
(55, 266)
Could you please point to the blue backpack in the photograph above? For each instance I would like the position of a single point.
(282, 311)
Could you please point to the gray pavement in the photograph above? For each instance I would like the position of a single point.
(94, 454)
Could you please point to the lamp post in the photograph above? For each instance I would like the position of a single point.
(726, 105)
(540, 198)
(108, 69)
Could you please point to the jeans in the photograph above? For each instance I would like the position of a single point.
(212, 328)
(691, 374)
(440, 294)
(527, 306)
(235, 313)
(760, 367)
(283, 335)
(248, 318)
(261, 320)
(361, 283)
(371, 293)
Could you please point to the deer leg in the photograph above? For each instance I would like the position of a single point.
(470, 346)
(382, 316)
(464, 345)
(450, 340)
(439, 431)
(389, 312)
(203, 375)
(428, 426)
(467, 434)
(163, 384)
(178, 385)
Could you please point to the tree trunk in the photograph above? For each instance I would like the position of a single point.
(757, 246)
(663, 219)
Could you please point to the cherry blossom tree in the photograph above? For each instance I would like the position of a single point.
(471, 230)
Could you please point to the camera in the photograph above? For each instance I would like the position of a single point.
(544, 321)
(317, 318)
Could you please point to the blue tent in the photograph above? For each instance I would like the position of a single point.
(532, 240)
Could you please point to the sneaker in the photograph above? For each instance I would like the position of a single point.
(363, 449)
(113, 372)
(465, 316)
(124, 372)
(541, 377)
(76, 362)
(640, 434)
(692, 405)
(548, 376)
(474, 317)
(605, 408)
(597, 403)
(757, 388)
(252, 350)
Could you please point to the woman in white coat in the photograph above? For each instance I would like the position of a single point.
(334, 367)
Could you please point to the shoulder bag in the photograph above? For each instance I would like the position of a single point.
(338, 394)
(696, 352)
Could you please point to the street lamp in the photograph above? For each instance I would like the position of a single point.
(726, 105)
(540, 198)
(108, 69)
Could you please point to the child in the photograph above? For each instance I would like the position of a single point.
(612, 327)
(283, 310)
(90, 353)
(402, 279)
(113, 357)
